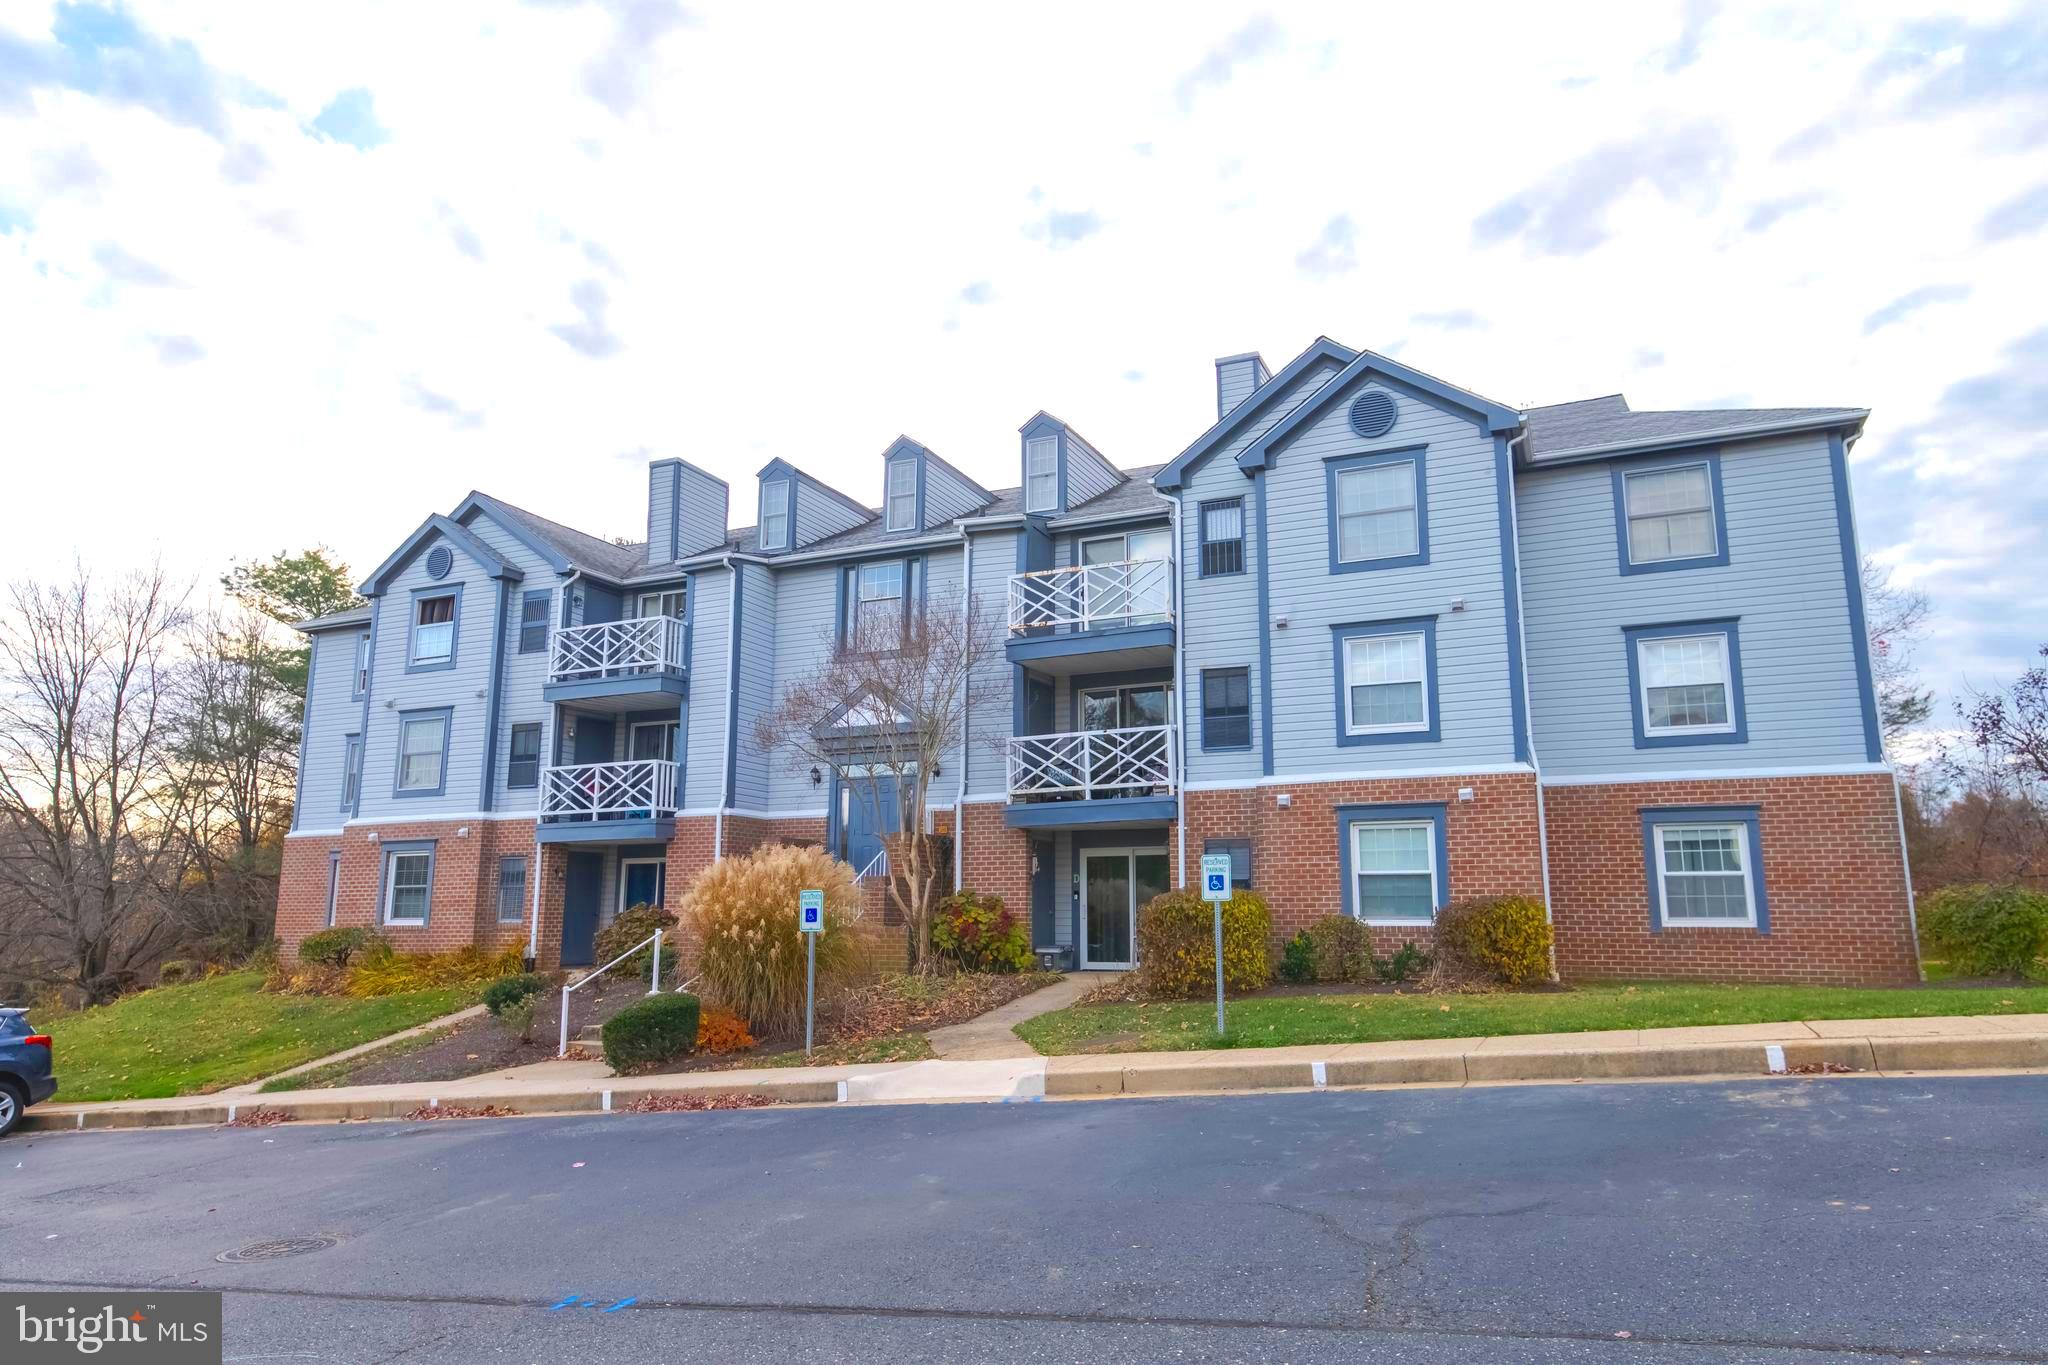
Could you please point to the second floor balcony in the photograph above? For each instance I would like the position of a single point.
(1089, 610)
(609, 802)
(623, 659)
(1093, 777)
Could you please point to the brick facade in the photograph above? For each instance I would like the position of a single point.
(463, 909)
(1833, 872)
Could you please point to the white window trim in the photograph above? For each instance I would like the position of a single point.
(1051, 445)
(1720, 640)
(673, 727)
(657, 598)
(1664, 916)
(1629, 517)
(890, 495)
(440, 781)
(1414, 510)
(661, 878)
(1351, 726)
(391, 861)
(777, 491)
(1436, 893)
(359, 678)
(453, 623)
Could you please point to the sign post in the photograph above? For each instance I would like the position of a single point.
(1216, 890)
(810, 921)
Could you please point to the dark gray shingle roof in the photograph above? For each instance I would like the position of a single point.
(334, 620)
(1605, 421)
(585, 550)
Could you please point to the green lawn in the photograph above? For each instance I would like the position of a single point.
(1278, 1021)
(182, 1040)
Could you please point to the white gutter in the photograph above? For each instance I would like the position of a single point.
(547, 733)
(732, 684)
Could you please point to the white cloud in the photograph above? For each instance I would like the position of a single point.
(598, 229)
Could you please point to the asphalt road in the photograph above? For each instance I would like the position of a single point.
(1785, 1221)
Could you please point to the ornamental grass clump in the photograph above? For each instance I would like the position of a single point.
(743, 910)
(1177, 945)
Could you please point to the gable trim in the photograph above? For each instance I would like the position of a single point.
(458, 536)
(1182, 466)
(491, 507)
(1491, 416)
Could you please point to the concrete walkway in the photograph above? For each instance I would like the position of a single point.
(2007, 1042)
(992, 1036)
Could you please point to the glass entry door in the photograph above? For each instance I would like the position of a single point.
(1114, 883)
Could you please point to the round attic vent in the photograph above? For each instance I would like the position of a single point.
(440, 560)
(1373, 414)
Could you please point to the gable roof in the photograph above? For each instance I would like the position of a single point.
(931, 456)
(1607, 425)
(1493, 416)
(1175, 472)
(456, 535)
(778, 465)
(336, 620)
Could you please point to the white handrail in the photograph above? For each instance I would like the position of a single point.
(1086, 763)
(653, 987)
(1086, 595)
(616, 649)
(591, 790)
(878, 866)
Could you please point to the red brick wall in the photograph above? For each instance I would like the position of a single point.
(1833, 874)
(995, 860)
(464, 905)
(1491, 840)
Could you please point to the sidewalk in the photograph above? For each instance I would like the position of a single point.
(2010, 1042)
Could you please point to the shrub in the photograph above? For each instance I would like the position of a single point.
(1408, 963)
(176, 971)
(334, 947)
(1986, 930)
(651, 1031)
(517, 1015)
(743, 911)
(1496, 940)
(389, 973)
(721, 1031)
(1342, 949)
(628, 928)
(978, 935)
(1177, 944)
(510, 990)
(1298, 960)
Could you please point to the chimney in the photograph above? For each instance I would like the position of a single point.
(1236, 377)
(686, 511)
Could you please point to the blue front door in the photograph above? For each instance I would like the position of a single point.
(583, 889)
(872, 811)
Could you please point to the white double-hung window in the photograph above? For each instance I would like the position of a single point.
(902, 495)
(1042, 474)
(1670, 514)
(878, 605)
(433, 631)
(408, 884)
(1684, 682)
(1386, 683)
(775, 514)
(422, 752)
(1703, 873)
(1376, 512)
(1393, 871)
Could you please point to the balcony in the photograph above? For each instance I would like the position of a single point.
(608, 802)
(621, 661)
(1093, 617)
(1093, 777)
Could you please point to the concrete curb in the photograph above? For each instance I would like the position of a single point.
(1139, 1074)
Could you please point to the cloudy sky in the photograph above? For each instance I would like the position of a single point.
(278, 275)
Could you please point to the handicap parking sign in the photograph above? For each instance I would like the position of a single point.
(810, 911)
(1215, 876)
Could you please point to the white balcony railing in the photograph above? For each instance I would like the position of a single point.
(641, 789)
(1133, 592)
(1088, 764)
(616, 649)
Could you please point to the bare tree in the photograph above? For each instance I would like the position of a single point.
(1894, 618)
(90, 794)
(884, 715)
(236, 732)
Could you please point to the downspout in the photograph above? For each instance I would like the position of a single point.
(1906, 864)
(1178, 741)
(732, 684)
(966, 699)
(1528, 706)
(547, 754)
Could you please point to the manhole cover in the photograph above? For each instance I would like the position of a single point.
(278, 1247)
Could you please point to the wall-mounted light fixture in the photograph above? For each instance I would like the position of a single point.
(817, 778)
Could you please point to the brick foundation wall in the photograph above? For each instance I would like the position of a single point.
(995, 860)
(1492, 841)
(462, 912)
(1833, 871)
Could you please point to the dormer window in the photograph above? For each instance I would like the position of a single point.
(1042, 474)
(901, 505)
(775, 514)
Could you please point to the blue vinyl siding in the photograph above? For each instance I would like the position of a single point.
(1089, 475)
(806, 596)
(522, 674)
(704, 717)
(330, 713)
(1471, 673)
(1784, 579)
(995, 559)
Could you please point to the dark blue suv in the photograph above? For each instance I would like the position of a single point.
(26, 1077)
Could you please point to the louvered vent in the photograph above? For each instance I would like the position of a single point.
(439, 562)
(1373, 414)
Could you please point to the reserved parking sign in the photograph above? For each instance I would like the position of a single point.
(810, 915)
(1215, 876)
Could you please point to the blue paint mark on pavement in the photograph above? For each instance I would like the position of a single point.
(623, 1303)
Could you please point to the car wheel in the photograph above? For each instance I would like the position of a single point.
(12, 1102)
